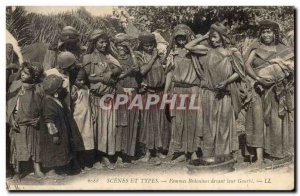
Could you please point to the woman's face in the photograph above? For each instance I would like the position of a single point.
(148, 47)
(215, 39)
(181, 40)
(25, 75)
(101, 45)
(122, 50)
(267, 36)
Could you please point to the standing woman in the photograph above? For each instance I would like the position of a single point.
(182, 75)
(102, 70)
(221, 97)
(128, 84)
(155, 130)
(267, 121)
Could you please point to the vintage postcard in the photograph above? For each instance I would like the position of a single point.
(150, 98)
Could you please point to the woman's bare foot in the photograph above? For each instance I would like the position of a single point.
(39, 174)
(257, 164)
(98, 165)
(53, 175)
(16, 177)
(146, 158)
(161, 156)
(179, 159)
(120, 163)
(194, 156)
(107, 163)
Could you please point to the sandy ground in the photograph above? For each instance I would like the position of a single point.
(156, 167)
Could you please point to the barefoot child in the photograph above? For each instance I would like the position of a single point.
(82, 114)
(56, 135)
(23, 113)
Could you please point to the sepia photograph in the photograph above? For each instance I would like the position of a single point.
(150, 98)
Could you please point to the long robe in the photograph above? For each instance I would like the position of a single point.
(82, 114)
(155, 127)
(127, 120)
(220, 108)
(186, 124)
(24, 106)
(267, 120)
(105, 125)
(55, 155)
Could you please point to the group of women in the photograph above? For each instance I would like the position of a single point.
(225, 82)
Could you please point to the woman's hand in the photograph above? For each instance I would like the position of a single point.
(221, 85)
(264, 82)
(154, 52)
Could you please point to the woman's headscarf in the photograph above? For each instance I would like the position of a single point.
(94, 36)
(224, 32)
(180, 29)
(274, 26)
(185, 30)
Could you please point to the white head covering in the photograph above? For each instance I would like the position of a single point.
(10, 39)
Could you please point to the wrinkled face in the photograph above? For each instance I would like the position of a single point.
(122, 50)
(267, 36)
(25, 75)
(215, 39)
(181, 40)
(148, 47)
(79, 82)
(102, 45)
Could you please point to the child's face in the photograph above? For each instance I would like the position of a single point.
(181, 40)
(148, 47)
(25, 75)
(79, 82)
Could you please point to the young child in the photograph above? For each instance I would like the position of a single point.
(56, 151)
(82, 114)
(23, 113)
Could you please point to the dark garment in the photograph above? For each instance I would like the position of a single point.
(24, 108)
(55, 155)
